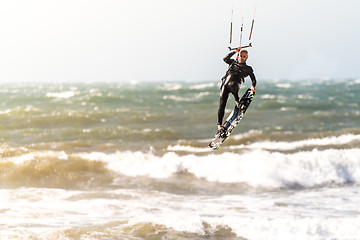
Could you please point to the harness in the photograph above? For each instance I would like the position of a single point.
(234, 68)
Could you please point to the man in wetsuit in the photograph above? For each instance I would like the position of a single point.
(234, 76)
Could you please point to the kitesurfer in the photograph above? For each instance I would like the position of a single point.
(234, 76)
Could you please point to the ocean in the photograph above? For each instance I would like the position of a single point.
(131, 160)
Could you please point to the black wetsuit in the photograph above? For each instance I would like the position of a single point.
(231, 82)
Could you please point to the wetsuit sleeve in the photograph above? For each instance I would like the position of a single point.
(228, 59)
(253, 78)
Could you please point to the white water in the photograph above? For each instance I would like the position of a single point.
(256, 168)
(330, 213)
(298, 194)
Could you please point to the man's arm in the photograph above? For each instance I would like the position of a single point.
(253, 80)
(228, 59)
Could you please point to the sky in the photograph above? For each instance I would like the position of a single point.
(175, 40)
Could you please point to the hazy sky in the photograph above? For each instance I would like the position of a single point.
(141, 40)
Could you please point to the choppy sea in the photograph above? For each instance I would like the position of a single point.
(131, 161)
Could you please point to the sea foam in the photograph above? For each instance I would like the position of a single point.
(257, 168)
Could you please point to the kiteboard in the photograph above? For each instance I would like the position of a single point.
(233, 120)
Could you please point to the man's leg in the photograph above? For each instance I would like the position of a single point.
(235, 91)
(221, 111)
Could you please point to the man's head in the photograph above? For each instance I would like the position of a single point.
(243, 55)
